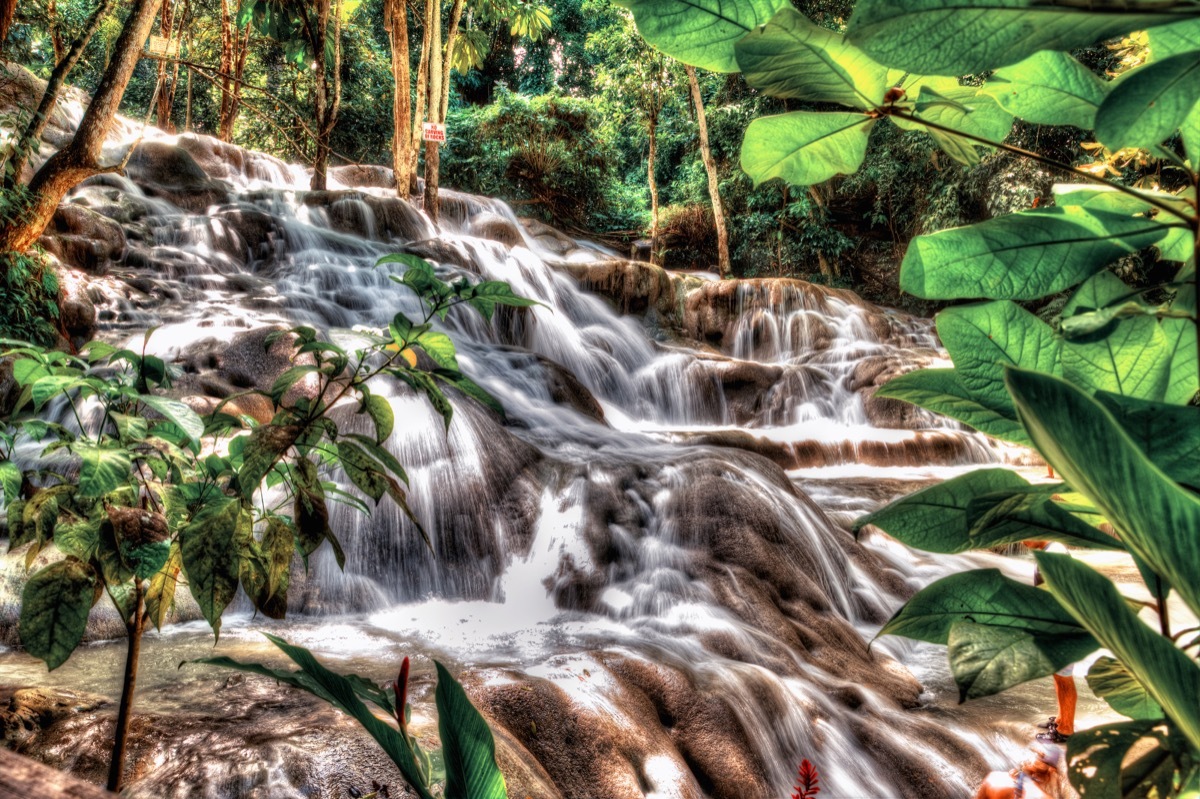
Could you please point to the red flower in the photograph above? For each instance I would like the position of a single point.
(806, 782)
(402, 696)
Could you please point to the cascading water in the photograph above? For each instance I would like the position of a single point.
(648, 609)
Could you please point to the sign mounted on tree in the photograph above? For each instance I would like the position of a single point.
(431, 131)
(161, 48)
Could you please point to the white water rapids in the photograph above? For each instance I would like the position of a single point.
(696, 615)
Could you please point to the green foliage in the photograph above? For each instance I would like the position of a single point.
(468, 748)
(1105, 389)
(553, 154)
(28, 299)
(162, 493)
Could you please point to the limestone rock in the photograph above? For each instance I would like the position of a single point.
(83, 239)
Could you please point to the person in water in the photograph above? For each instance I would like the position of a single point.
(1062, 726)
(1040, 777)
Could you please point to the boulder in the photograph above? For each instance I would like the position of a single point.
(76, 308)
(224, 161)
(31, 710)
(167, 171)
(364, 175)
(551, 238)
(497, 228)
(83, 239)
(565, 389)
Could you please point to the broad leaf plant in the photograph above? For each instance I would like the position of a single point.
(1106, 392)
(134, 495)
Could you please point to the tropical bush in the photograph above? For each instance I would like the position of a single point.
(135, 493)
(1106, 391)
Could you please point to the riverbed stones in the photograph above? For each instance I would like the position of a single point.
(497, 228)
(168, 171)
(83, 239)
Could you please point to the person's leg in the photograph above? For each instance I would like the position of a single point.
(1067, 696)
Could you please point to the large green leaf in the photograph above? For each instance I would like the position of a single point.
(1155, 518)
(175, 411)
(986, 596)
(1022, 256)
(804, 147)
(210, 556)
(935, 519)
(1182, 343)
(987, 659)
(263, 449)
(701, 32)
(962, 37)
(10, 481)
(1111, 681)
(791, 57)
(1168, 434)
(983, 339)
(1167, 674)
(1049, 88)
(102, 470)
(362, 470)
(54, 609)
(468, 749)
(1150, 103)
(1029, 514)
(341, 693)
(1129, 356)
(947, 106)
(941, 391)
(1102, 764)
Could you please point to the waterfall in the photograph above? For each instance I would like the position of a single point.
(652, 553)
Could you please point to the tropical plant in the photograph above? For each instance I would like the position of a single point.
(134, 492)
(467, 762)
(1107, 392)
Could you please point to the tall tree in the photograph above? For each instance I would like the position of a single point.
(28, 141)
(395, 22)
(235, 46)
(644, 81)
(310, 32)
(710, 166)
(8, 8)
(80, 159)
(166, 75)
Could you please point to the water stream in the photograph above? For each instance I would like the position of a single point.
(645, 605)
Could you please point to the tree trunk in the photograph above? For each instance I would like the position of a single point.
(321, 100)
(133, 627)
(396, 23)
(710, 166)
(56, 35)
(8, 9)
(433, 103)
(41, 117)
(81, 158)
(448, 58)
(653, 125)
(228, 42)
(422, 87)
(166, 88)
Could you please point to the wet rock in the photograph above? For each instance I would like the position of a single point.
(398, 219)
(565, 389)
(30, 711)
(228, 162)
(440, 251)
(76, 309)
(167, 171)
(250, 233)
(634, 286)
(83, 239)
(497, 228)
(364, 175)
(551, 238)
(10, 390)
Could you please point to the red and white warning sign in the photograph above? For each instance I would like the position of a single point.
(431, 131)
